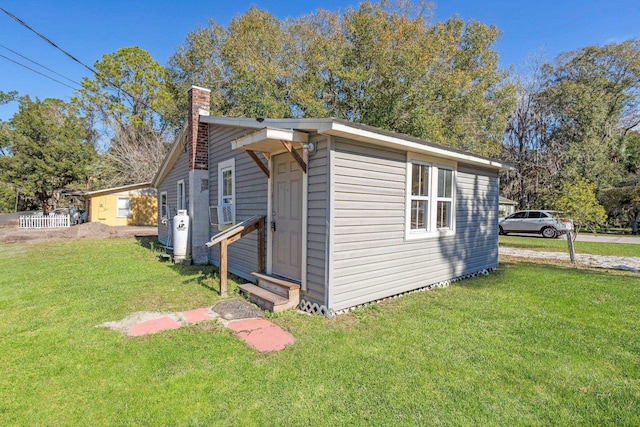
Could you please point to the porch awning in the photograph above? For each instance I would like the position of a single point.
(270, 140)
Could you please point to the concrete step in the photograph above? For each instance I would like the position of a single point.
(267, 300)
(278, 286)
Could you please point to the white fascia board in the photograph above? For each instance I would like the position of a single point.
(341, 129)
(252, 123)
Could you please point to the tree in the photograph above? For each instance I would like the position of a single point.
(574, 121)
(132, 104)
(382, 65)
(587, 94)
(49, 148)
(7, 192)
(7, 96)
(623, 202)
(578, 199)
(526, 144)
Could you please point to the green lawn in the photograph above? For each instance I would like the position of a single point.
(536, 243)
(528, 345)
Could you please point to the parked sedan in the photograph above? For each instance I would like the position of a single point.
(547, 223)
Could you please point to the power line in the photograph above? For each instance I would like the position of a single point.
(38, 64)
(37, 72)
(24, 24)
(96, 73)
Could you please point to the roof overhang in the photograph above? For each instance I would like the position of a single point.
(359, 132)
(112, 190)
(269, 140)
(171, 158)
(403, 142)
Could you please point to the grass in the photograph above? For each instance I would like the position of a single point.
(536, 243)
(528, 345)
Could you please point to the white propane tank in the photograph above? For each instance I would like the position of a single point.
(180, 235)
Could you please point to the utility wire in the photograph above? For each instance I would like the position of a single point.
(96, 73)
(38, 72)
(40, 65)
(24, 24)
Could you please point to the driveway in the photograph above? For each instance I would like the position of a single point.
(604, 238)
(6, 217)
(586, 237)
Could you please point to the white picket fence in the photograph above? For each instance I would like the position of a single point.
(53, 221)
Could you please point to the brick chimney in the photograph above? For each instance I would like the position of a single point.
(198, 184)
(198, 133)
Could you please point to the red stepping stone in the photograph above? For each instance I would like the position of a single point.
(261, 334)
(153, 326)
(197, 315)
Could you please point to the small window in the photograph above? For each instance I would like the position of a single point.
(124, 207)
(181, 195)
(445, 198)
(163, 205)
(227, 187)
(420, 185)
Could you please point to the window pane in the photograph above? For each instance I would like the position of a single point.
(124, 207)
(443, 215)
(419, 211)
(163, 205)
(227, 184)
(445, 181)
(419, 180)
(180, 195)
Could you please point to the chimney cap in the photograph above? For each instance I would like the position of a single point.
(198, 88)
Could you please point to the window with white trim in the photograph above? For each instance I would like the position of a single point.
(164, 213)
(420, 190)
(180, 203)
(444, 209)
(227, 185)
(430, 197)
(123, 207)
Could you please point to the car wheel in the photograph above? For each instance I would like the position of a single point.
(502, 231)
(549, 232)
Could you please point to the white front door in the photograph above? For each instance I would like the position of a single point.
(286, 217)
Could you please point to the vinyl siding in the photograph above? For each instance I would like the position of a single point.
(371, 258)
(317, 208)
(180, 171)
(251, 197)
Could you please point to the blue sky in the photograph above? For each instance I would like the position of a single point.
(90, 28)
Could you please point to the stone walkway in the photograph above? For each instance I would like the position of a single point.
(244, 320)
(601, 261)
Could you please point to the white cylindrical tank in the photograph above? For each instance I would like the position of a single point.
(180, 235)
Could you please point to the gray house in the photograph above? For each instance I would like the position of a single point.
(353, 213)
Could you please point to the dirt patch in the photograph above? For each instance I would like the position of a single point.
(10, 233)
(125, 324)
(236, 309)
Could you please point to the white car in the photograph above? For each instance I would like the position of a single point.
(549, 224)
